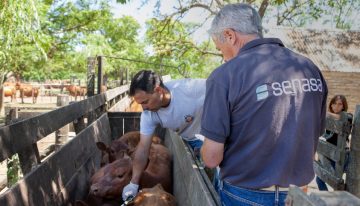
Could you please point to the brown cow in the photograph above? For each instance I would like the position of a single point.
(125, 144)
(116, 150)
(74, 90)
(27, 90)
(110, 180)
(158, 169)
(83, 91)
(134, 107)
(155, 196)
(132, 139)
(10, 90)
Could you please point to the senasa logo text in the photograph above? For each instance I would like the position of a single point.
(289, 87)
(295, 85)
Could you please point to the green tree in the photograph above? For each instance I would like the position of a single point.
(174, 47)
(19, 25)
(171, 40)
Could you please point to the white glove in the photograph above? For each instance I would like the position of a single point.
(200, 137)
(130, 190)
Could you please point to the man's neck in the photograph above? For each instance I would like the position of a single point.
(166, 98)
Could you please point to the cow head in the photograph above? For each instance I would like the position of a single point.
(109, 181)
(116, 150)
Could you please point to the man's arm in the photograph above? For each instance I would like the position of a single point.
(212, 153)
(333, 115)
(139, 164)
(141, 158)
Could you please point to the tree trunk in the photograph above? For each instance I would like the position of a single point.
(2, 100)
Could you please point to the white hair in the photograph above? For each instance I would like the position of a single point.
(240, 17)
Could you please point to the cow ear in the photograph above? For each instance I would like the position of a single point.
(101, 146)
(121, 154)
(159, 186)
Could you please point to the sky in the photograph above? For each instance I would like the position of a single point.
(141, 12)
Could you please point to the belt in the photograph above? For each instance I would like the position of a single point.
(273, 188)
(281, 189)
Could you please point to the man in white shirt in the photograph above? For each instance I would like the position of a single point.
(176, 105)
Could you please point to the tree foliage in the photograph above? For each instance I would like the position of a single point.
(19, 25)
(170, 37)
(174, 47)
(52, 39)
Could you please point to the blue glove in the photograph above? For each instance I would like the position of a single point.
(130, 190)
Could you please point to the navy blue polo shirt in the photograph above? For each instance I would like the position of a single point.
(267, 105)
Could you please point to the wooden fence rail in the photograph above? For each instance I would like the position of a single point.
(328, 152)
(21, 137)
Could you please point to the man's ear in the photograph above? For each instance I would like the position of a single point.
(230, 35)
(158, 89)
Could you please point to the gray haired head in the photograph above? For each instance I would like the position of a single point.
(240, 17)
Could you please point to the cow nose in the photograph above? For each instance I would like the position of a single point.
(94, 189)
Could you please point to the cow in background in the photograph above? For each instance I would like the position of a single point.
(134, 107)
(27, 90)
(10, 90)
(76, 91)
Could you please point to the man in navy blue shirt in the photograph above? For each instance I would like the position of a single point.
(264, 111)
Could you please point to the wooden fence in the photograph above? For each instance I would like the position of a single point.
(347, 190)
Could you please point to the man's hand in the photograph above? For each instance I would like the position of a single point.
(130, 190)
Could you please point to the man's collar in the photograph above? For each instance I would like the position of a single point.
(260, 41)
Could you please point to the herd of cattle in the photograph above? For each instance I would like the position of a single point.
(28, 90)
(116, 170)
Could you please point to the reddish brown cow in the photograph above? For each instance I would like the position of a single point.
(155, 196)
(10, 90)
(110, 180)
(27, 90)
(158, 169)
(134, 107)
(125, 144)
(132, 139)
(83, 91)
(116, 150)
(74, 91)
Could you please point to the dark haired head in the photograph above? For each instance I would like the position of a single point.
(145, 80)
(343, 100)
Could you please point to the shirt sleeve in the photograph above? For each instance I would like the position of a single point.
(147, 124)
(215, 122)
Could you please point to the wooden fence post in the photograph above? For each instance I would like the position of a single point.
(127, 76)
(12, 163)
(79, 125)
(29, 157)
(62, 134)
(353, 174)
(100, 73)
(91, 61)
